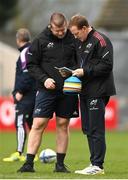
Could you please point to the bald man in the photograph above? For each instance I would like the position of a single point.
(54, 47)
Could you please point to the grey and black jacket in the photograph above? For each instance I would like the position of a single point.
(24, 83)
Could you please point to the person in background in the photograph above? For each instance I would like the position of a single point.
(54, 47)
(96, 72)
(24, 94)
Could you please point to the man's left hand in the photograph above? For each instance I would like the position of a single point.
(78, 72)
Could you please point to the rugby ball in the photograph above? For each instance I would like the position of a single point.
(47, 156)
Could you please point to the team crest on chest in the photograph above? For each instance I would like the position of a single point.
(50, 45)
(89, 45)
(87, 48)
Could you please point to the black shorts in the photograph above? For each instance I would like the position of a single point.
(48, 102)
(24, 114)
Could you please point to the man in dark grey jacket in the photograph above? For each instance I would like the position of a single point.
(96, 65)
(24, 94)
(54, 47)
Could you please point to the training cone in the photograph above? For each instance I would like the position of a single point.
(72, 85)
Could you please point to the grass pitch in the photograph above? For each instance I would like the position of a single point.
(116, 161)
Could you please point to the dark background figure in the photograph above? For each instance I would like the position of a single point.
(24, 94)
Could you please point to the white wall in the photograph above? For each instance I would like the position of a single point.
(8, 57)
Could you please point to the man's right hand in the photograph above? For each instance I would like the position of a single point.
(49, 83)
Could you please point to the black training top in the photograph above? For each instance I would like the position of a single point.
(48, 51)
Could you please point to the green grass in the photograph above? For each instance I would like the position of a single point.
(116, 161)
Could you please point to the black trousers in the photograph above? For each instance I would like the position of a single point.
(93, 125)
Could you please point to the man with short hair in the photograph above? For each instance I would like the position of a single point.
(54, 47)
(96, 64)
(24, 94)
